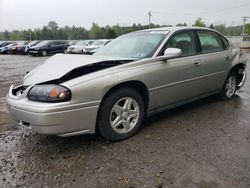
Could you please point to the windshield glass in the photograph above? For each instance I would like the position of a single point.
(42, 43)
(135, 45)
(33, 42)
(82, 42)
(12, 44)
(98, 43)
(21, 43)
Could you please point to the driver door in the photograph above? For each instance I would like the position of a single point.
(177, 79)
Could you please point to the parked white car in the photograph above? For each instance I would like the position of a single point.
(245, 43)
(95, 46)
(78, 47)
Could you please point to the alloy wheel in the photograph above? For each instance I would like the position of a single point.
(230, 86)
(124, 115)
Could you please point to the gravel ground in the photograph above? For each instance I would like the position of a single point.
(205, 144)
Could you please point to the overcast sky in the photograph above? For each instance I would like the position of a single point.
(24, 14)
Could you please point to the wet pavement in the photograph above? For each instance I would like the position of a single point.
(205, 144)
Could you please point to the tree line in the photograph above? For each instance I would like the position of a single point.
(53, 31)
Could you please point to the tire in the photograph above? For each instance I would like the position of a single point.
(125, 109)
(44, 53)
(230, 86)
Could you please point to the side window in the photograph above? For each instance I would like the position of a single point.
(57, 43)
(210, 41)
(52, 43)
(184, 41)
(225, 43)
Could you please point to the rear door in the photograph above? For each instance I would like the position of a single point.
(57, 46)
(214, 57)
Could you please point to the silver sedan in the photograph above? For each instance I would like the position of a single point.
(134, 76)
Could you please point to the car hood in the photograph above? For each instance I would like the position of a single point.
(60, 64)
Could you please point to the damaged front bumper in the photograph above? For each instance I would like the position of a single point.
(62, 119)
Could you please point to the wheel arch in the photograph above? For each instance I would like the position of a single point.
(139, 86)
(239, 70)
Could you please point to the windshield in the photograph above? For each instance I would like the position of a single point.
(98, 43)
(83, 42)
(135, 45)
(12, 44)
(33, 42)
(21, 43)
(42, 43)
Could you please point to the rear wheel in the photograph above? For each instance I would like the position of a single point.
(230, 86)
(121, 114)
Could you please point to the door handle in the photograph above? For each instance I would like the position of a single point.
(197, 62)
(229, 57)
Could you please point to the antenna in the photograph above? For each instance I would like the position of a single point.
(149, 19)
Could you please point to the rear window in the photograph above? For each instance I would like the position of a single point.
(210, 41)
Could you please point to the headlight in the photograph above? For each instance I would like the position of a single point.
(49, 93)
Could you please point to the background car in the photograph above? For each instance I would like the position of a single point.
(245, 43)
(47, 47)
(134, 76)
(78, 47)
(25, 48)
(16, 49)
(4, 43)
(6, 49)
(95, 46)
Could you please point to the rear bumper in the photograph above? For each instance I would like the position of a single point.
(63, 119)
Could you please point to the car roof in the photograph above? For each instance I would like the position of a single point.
(174, 29)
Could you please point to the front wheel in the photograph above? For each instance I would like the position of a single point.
(121, 114)
(230, 86)
(44, 53)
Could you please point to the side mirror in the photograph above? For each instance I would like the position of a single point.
(172, 52)
(169, 53)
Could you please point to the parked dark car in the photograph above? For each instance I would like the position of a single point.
(25, 48)
(2, 44)
(47, 47)
(16, 49)
(6, 49)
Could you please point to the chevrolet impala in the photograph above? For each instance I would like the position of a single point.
(136, 75)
